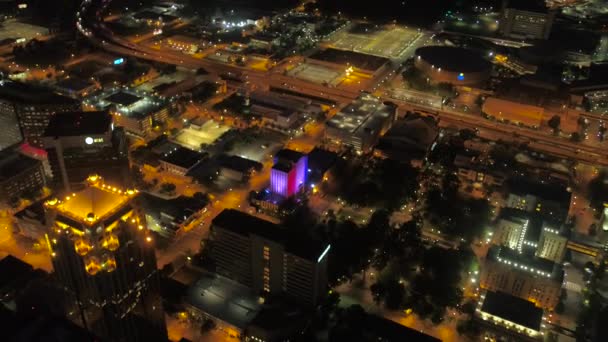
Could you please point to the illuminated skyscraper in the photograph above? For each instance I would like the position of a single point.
(104, 258)
(288, 174)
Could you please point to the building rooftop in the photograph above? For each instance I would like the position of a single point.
(528, 5)
(224, 299)
(15, 164)
(41, 328)
(547, 191)
(526, 262)
(239, 163)
(288, 155)
(30, 94)
(319, 161)
(74, 84)
(283, 166)
(12, 270)
(357, 117)
(343, 57)
(244, 224)
(386, 330)
(183, 157)
(180, 208)
(453, 59)
(513, 309)
(78, 123)
(98, 199)
(409, 138)
(123, 99)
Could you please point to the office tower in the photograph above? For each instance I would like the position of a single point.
(79, 144)
(20, 176)
(288, 174)
(526, 19)
(33, 107)
(267, 258)
(104, 258)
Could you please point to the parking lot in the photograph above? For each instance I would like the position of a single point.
(12, 28)
(194, 137)
(388, 42)
(316, 74)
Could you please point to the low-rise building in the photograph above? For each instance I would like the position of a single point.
(410, 139)
(184, 43)
(237, 168)
(75, 87)
(512, 111)
(169, 217)
(511, 315)
(180, 160)
(361, 123)
(551, 200)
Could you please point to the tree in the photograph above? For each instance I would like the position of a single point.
(554, 123)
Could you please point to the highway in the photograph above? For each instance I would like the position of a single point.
(263, 80)
(493, 130)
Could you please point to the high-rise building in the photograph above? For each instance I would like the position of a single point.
(33, 107)
(288, 174)
(79, 144)
(523, 19)
(525, 276)
(267, 258)
(104, 258)
(20, 176)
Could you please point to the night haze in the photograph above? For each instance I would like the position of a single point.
(303, 170)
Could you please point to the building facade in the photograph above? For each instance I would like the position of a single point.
(288, 174)
(103, 257)
(79, 144)
(531, 278)
(33, 108)
(526, 23)
(260, 255)
(20, 176)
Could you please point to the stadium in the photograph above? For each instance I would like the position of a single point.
(458, 66)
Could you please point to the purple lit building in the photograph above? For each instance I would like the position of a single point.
(288, 173)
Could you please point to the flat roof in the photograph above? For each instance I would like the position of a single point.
(123, 98)
(454, 59)
(78, 123)
(182, 157)
(74, 84)
(180, 208)
(224, 299)
(29, 94)
(244, 224)
(239, 163)
(513, 309)
(344, 57)
(387, 330)
(321, 160)
(356, 116)
(547, 191)
(282, 166)
(15, 165)
(289, 155)
(534, 265)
